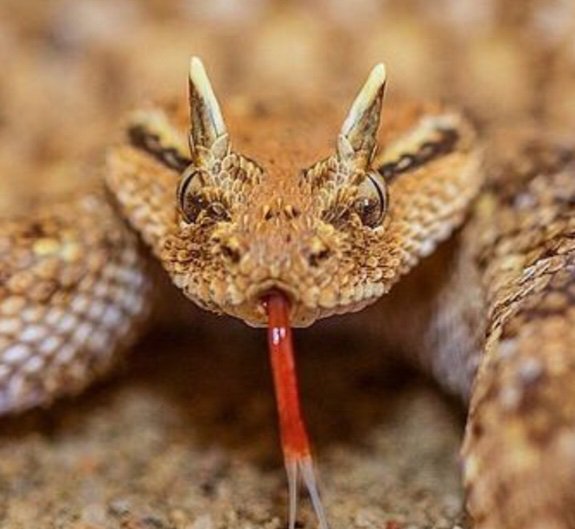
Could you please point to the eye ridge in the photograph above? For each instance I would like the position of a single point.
(142, 138)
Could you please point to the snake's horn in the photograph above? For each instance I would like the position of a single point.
(208, 133)
(358, 136)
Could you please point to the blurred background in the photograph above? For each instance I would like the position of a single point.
(164, 446)
(71, 69)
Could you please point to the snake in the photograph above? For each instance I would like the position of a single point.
(279, 215)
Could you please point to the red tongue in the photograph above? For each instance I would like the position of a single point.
(294, 437)
(295, 442)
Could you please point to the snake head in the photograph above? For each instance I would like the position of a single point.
(333, 235)
(245, 229)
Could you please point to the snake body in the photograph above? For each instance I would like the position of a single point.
(74, 291)
(75, 288)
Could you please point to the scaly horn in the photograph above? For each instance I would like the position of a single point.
(208, 130)
(358, 136)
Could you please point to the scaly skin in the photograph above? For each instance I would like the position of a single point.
(290, 226)
(230, 228)
(519, 448)
(74, 292)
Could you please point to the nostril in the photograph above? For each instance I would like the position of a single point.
(230, 253)
(269, 215)
(318, 251)
(291, 212)
(316, 258)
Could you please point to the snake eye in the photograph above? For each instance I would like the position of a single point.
(371, 201)
(190, 201)
(193, 202)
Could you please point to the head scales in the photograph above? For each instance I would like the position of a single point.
(258, 228)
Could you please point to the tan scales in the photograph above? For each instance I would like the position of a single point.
(74, 287)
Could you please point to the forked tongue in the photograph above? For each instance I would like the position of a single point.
(294, 438)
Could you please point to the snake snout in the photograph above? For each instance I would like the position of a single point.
(253, 310)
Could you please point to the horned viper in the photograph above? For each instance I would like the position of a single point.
(254, 217)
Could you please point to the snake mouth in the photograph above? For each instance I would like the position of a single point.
(277, 291)
(303, 309)
(265, 288)
(251, 306)
(261, 293)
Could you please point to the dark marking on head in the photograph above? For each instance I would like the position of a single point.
(147, 141)
(427, 152)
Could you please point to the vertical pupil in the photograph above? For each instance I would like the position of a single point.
(368, 209)
(370, 205)
(193, 205)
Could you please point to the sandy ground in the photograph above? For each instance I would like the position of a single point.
(184, 436)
